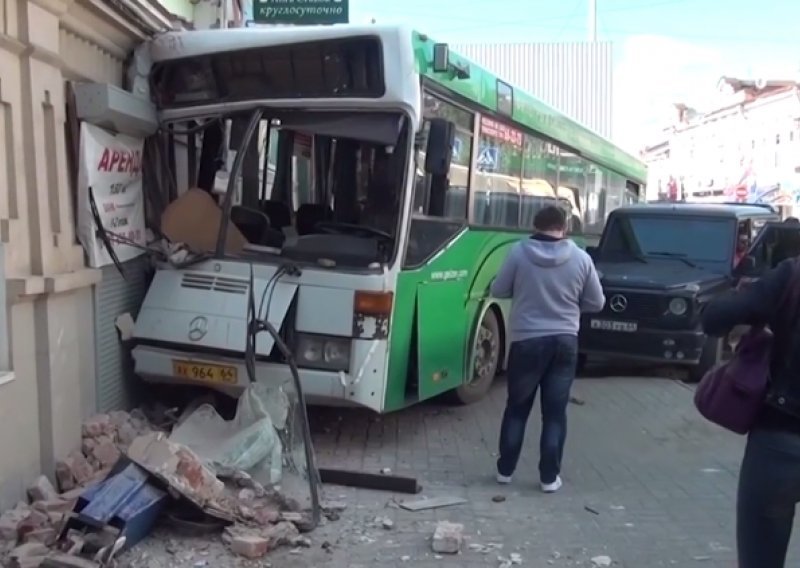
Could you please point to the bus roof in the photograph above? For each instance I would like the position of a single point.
(481, 88)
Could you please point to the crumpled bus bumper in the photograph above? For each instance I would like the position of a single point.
(328, 388)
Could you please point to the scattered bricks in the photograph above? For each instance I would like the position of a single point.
(447, 538)
(106, 452)
(64, 476)
(97, 426)
(28, 555)
(60, 560)
(250, 546)
(74, 471)
(57, 505)
(88, 445)
(34, 521)
(126, 433)
(46, 536)
(71, 495)
(267, 516)
(56, 518)
(247, 495)
(281, 534)
(11, 520)
(333, 506)
(82, 470)
(118, 418)
(42, 490)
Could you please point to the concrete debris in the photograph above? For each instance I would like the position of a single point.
(250, 546)
(385, 523)
(333, 506)
(178, 467)
(105, 438)
(28, 555)
(37, 534)
(254, 543)
(448, 537)
(42, 490)
(601, 561)
(513, 559)
(485, 548)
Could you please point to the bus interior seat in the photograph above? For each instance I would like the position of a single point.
(309, 215)
(455, 203)
(279, 214)
(252, 223)
(503, 210)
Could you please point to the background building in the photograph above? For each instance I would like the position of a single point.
(575, 78)
(746, 149)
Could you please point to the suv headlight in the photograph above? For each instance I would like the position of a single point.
(678, 306)
(323, 352)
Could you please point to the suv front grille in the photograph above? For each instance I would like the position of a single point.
(638, 306)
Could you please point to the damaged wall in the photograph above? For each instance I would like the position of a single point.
(42, 44)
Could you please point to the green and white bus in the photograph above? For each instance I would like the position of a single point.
(386, 179)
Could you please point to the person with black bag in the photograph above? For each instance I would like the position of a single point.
(769, 479)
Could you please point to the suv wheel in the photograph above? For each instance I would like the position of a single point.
(711, 356)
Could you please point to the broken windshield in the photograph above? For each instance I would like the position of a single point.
(323, 188)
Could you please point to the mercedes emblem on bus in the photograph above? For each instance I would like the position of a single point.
(198, 328)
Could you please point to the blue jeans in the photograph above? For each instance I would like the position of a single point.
(546, 362)
(769, 490)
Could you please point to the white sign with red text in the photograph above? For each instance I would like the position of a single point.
(111, 170)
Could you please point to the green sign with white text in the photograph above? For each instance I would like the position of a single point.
(301, 12)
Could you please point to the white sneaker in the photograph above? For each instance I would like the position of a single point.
(552, 487)
(503, 479)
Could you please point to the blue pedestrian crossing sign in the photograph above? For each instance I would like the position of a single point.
(488, 158)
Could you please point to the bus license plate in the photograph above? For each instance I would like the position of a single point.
(606, 325)
(205, 372)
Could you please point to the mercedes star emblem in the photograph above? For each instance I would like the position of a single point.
(198, 328)
(618, 303)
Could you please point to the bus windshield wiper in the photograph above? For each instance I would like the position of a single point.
(676, 256)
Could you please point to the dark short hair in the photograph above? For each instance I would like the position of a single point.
(550, 218)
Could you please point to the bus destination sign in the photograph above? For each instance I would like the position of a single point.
(301, 12)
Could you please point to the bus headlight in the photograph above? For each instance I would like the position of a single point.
(678, 306)
(322, 352)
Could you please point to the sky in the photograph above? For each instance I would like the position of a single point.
(665, 51)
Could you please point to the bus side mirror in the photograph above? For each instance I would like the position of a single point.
(439, 151)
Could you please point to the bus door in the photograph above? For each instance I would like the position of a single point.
(441, 332)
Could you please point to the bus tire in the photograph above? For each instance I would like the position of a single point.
(487, 350)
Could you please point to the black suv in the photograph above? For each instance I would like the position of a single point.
(660, 263)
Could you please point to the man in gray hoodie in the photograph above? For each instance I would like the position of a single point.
(550, 282)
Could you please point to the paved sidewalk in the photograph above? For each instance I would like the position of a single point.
(648, 483)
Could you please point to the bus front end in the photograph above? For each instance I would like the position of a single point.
(306, 224)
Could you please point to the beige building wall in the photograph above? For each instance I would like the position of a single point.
(49, 385)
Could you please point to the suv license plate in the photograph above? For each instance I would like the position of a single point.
(607, 325)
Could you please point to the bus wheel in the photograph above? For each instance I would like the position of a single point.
(486, 360)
